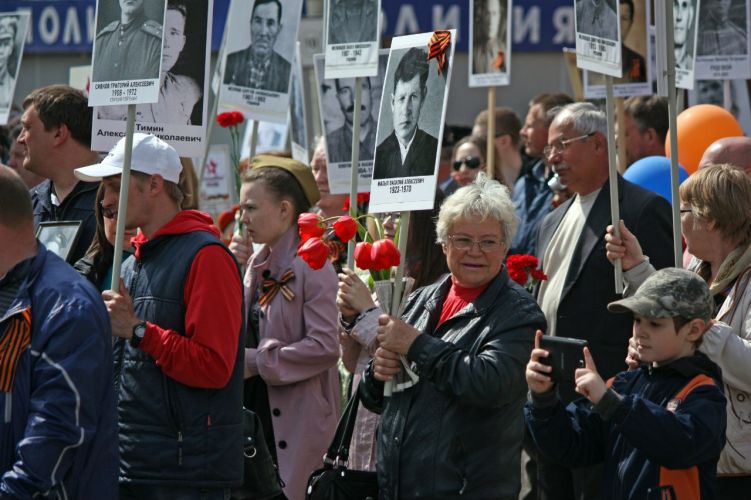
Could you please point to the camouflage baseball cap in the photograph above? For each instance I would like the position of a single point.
(668, 293)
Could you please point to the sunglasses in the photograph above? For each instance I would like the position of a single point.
(469, 161)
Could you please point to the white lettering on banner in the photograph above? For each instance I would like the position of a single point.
(526, 27)
(452, 19)
(406, 23)
(563, 20)
(72, 29)
(49, 25)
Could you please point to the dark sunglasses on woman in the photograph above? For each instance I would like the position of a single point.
(469, 161)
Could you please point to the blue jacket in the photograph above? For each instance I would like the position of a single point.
(532, 198)
(647, 437)
(58, 426)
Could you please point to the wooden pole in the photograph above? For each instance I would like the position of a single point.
(253, 138)
(621, 147)
(673, 105)
(398, 285)
(615, 215)
(490, 155)
(122, 204)
(355, 163)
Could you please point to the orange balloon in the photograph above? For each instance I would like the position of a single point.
(698, 127)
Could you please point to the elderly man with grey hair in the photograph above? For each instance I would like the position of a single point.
(458, 430)
(571, 249)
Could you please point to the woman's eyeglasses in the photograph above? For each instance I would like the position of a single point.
(469, 161)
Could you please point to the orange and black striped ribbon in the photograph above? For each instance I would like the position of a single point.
(437, 46)
(13, 342)
(271, 287)
(499, 59)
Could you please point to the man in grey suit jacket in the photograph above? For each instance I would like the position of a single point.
(407, 151)
(571, 249)
(258, 66)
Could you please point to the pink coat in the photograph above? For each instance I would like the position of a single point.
(296, 357)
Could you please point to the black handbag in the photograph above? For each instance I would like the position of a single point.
(334, 481)
(261, 479)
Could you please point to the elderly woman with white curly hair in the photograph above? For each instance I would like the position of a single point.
(458, 430)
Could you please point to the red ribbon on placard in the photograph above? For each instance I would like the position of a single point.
(437, 46)
(499, 59)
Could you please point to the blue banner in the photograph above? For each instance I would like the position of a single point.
(65, 26)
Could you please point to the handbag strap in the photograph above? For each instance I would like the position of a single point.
(338, 451)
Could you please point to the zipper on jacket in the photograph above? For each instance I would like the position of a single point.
(8, 406)
(464, 486)
(179, 447)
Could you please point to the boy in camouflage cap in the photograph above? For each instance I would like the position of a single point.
(659, 429)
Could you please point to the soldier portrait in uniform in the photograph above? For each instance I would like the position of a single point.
(408, 150)
(130, 46)
(597, 18)
(489, 51)
(259, 65)
(182, 70)
(352, 21)
(722, 28)
(8, 46)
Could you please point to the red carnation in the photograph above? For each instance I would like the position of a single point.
(310, 225)
(229, 118)
(362, 255)
(315, 252)
(538, 275)
(384, 254)
(518, 276)
(345, 228)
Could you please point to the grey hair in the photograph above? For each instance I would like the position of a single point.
(485, 198)
(584, 117)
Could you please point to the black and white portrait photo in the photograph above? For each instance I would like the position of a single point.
(598, 36)
(181, 105)
(298, 129)
(489, 36)
(597, 18)
(685, 21)
(723, 48)
(636, 72)
(352, 21)
(352, 28)
(337, 116)
(259, 65)
(722, 28)
(128, 44)
(410, 125)
(260, 48)
(12, 36)
(59, 237)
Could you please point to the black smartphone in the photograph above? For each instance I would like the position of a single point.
(565, 356)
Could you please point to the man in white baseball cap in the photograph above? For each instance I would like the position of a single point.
(185, 313)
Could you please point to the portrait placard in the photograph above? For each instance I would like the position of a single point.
(685, 17)
(217, 185)
(598, 37)
(258, 57)
(298, 129)
(352, 29)
(636, 72)
(490, 42)
(127, 57)
(723, 49)
(271, 137)
(59, 237)
(337, 115)
(13, 27)
(179, 116)
(410, 125)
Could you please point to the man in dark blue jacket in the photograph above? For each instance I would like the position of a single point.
(58, 426)
(56, 136)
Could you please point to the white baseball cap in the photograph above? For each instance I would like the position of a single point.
(151, 155)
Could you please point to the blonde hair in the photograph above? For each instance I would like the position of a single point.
(721, 194)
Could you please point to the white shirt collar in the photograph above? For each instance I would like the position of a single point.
(404, 149)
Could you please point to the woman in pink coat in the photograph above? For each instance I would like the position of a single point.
(292, 349)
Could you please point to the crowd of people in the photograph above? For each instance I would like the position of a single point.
(196, 333)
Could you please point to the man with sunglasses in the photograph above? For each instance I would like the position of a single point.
(571, 249)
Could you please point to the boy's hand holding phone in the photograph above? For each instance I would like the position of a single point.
(538, 374)
(588, 382)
